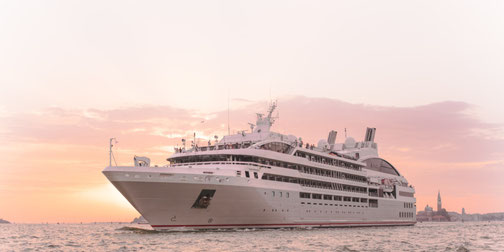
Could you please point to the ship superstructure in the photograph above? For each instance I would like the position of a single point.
(263, 179)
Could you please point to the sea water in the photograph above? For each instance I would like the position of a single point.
(448, 236)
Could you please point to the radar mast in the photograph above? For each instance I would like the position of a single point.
(263, 124)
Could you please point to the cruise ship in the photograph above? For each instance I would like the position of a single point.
(263, 179)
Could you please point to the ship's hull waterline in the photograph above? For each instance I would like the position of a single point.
(237, 203)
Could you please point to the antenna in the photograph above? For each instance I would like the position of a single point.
(228, 115)
(111, 155)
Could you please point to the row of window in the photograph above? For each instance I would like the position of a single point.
(247, 174)
(405, 215)
(329, 204)
(301, 168)
(216, 147)
(408, 205)
(336, 212)
(315, 183)
(280, 194)
(252, 159)
(332, 174)
(305, 195)
(277, 147)
(327, 160)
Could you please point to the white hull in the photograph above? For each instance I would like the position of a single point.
(264, 179)
(164, 196)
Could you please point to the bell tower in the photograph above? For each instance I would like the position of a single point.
(439, 205)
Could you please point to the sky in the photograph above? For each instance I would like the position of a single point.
(427, 74)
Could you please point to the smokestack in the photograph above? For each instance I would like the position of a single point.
(370, 134)
(331, 139)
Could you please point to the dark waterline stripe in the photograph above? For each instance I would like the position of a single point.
(295, 224)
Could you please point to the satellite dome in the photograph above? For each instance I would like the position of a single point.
(322, 143)
(349, 143)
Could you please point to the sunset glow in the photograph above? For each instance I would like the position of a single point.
(74, 75)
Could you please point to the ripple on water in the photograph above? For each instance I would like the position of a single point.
(138, 230)
(348, 249)
(461, 248)
(116, 237)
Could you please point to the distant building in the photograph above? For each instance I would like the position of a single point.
(429, 215)
(428, 208)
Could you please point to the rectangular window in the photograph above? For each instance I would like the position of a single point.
(406, 194)
(287, 195)
(304, 195)
(255, 175)
(338, 198)
(347, 199)
(316, 196)
(328, 197)
(247, 174)
(373, 203)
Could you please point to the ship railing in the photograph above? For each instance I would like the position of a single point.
(221, 162)
(337, 177)
(244, 145)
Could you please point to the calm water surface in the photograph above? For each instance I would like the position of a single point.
(469, 236)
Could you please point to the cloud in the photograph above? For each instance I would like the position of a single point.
(437, 146)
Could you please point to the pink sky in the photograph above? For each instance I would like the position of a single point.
(53, 157)
(427, 74)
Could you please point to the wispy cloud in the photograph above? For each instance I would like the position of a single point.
(437, 146)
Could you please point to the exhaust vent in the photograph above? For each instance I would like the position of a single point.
(370, 134)
(331, 139)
